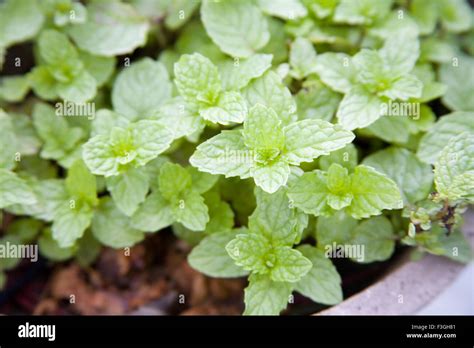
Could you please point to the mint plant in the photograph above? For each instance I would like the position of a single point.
(264, 135)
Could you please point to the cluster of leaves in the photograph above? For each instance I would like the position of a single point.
(257, 130)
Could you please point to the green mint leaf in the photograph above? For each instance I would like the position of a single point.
(377, 237)
(9, 141)
(174, 180)
(236, 74)
(275, 218)
(456, 15)
(371, 70)
(71, 219)
(358, 109)
(202, 182)
(373, 192)
(20, 20)
(191, 211)
(400, 53)
(322, 283)
(113, 228)
(51, 249)
(238, 27)
(412, 176)
(454, 169)
(112, 28)
(197, 80)
(211, 258)
(230, 107)
(346, 157)
(14, 190)
(361, 12)
(339, 185)
(79, 90)
(264, 296)
(442, 132)
(135, 145)
(55, 48)
(128, 189)
(105, 120)
(225, 154)
(459, 91)
(425, 13)
(285, 9)
(101, 68)
(262, 129)
(14, 88)
(317, 101)
(179, 118)
(141, 89)
(249, 251)
(337, 229)
(270, 177)
(302, 58)
(336, 70)
(309, 193)
(309, 139)
(290, 265)
(81, 184)
(403, 88)
(153, 215)
(269, 91)
(221, 215)
(391, 129)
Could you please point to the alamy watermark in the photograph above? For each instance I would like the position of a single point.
(69, 109)
(404, 109)
(338, 251)
(19, 251)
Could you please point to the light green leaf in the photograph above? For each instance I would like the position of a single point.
(371, 70)
(128, 189)
(262, 129)
(317, 101)
(179, 117)
(403, 88)
(302, 58)
(224, 154)
(112, 28)
(71, 219)
(101, 68)
(197, 80)
(20, 20)
(290, 265)
(425, 13)
(153, 215)
(346, 157)
(230, 108)
(249, 252)
(412, 176)
(377, 238)
(191, 211)
(221, 215)
(141, 89)
(456, 15)
(361, 12)
(322, 283)
(334, 229)
(202, 182)
(79, 90)
(309, 193)
(174, 180)
(270, 177)
(400, 53)
(14, 190)
(458, 79)
(442, 132)
(309, 139)
(55, 48)
(339, 185)
(358, 109)
(237, 27)
(373, 192)
(211, 258)
(236, 75)
(269, 91)
(285, 9)
(81, 184)
(392, 129)
(454, 169)
(336, 70)
(14, 88)
(112, 228)
(266, 297)
(51, 249)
